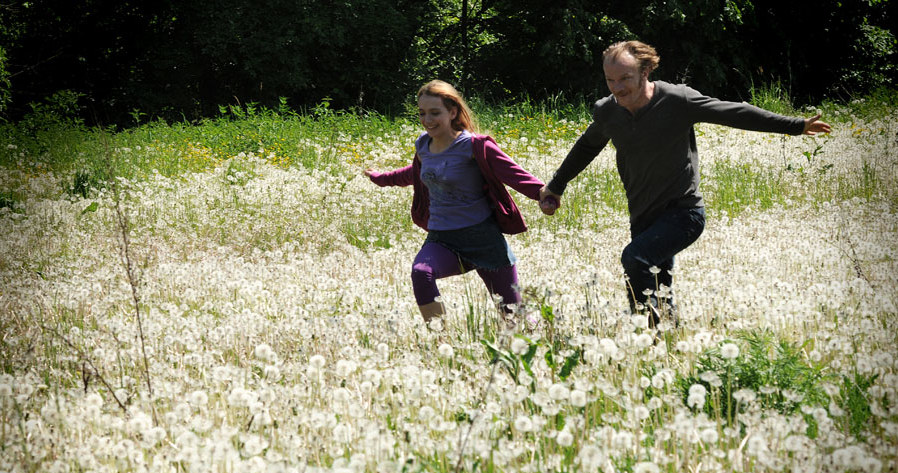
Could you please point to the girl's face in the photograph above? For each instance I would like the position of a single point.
(435, 117)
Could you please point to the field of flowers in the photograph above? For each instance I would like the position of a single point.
(261, 317)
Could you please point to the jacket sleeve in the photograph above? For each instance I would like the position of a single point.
(397, 177)
(509, 172)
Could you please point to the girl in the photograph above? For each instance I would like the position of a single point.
(458, 178)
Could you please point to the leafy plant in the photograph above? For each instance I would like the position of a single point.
(855, 401)
(773, 370)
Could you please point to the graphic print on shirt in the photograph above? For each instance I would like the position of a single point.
(456, 186)
(450, 180)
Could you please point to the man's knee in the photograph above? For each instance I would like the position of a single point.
(631, 260)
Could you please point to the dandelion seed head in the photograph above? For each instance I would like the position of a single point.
(646, 467)
(272, 372)
(240, 397)
(641, 413)
(265, 353)
(711, 378)
(578, 398)
(623, 440)
(709, 436)
(523, 423)
(697, 390)
(564, 438)
(729, 351)
(342, 395)
(644, 340)
(519, 346)
(591, 457)
(609, 347)
(345, 368)
(198, 398)
(446, 351)
(559, 392)
(745, 396)
(317, 362)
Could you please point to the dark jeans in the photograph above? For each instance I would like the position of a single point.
(656, 245)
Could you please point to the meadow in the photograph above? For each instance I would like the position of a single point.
(233, 295)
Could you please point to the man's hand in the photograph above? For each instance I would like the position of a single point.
(548, 201)
(813, 125)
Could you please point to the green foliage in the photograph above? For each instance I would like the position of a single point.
(856, 402)
(773, 97)
(89, 179)
(774, 370)
(11, 200)
(559, 356)
(732, 187)
(4, 81)
(880, 102)
(181, 60)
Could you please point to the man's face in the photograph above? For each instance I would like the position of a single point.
(625, 81)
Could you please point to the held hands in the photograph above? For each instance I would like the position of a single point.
(548, 201)
(813, 125)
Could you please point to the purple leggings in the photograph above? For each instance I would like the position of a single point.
(435, 261)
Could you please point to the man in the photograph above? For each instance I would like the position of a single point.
(651, 125)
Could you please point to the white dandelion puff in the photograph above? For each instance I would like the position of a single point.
(198, 398)
(519, 346)
(317, 362)
(745, 396)
(578, 398)
(559, 392)
(445, 350)
(564, 438)
(345, 368)
(523, 424)
(709, 436)
(729, 351)
(265, 353)
(646, 467)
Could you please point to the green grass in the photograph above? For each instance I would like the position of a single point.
(339, 142)
(773, 96)
(769, 367)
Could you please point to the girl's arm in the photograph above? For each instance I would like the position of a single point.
(511, 173)
(397, 177)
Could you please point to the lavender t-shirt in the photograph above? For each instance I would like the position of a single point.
(455, 184)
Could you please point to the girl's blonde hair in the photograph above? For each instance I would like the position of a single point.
(464, 119)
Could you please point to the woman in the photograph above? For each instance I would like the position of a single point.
(459, 180)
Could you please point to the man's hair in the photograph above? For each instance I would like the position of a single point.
(646, 55)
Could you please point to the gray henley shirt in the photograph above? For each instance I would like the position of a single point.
(657, 156)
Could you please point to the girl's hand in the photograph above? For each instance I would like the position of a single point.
(371, 173)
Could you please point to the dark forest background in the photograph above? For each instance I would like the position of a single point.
(123, 61)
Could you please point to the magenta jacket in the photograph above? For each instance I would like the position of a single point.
(498, 170)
